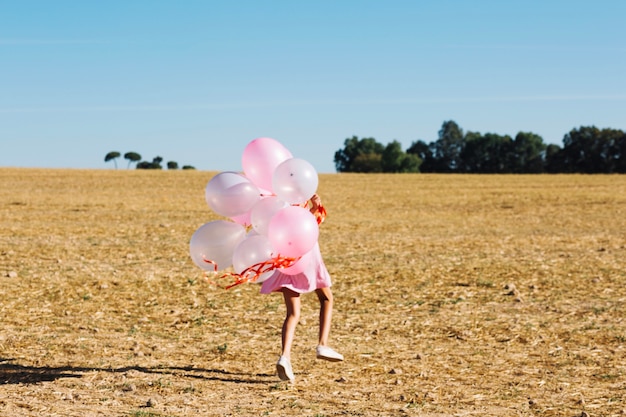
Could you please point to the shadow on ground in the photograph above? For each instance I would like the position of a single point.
(13, 373)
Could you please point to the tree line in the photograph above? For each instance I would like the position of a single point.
(134, 157)
(587, 149)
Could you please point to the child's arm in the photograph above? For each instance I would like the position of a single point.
(316, 203)
(317, 209)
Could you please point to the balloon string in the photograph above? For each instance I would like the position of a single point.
(320, 214)
(253, 272)
(210, 262)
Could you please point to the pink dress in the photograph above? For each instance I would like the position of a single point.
(313, 277)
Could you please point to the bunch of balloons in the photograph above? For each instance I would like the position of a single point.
(269, 225)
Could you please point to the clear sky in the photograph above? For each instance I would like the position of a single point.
(195, 81)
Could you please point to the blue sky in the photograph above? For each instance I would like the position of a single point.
(195, 81)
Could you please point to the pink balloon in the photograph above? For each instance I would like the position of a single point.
(215, 241)
(260, 158)
(295, 180)
(263, 211)
(300, 266)
(293, 231)
(231, 194)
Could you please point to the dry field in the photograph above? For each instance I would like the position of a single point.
(454, 295)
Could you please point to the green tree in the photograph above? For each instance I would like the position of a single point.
(132, 157)
(488, 153)
(527, 153)
(359, 155)
(619, 152)
(112, 156)
(155, 164)
(613, 150)
(366, 163)
(591, 150)
(473, 154)
(185, 167)
(391, 158)
(447, 149)
(410, 163)
(172, 165)
(394, 159)
(553, 159)
(580, 150)
(424, 152)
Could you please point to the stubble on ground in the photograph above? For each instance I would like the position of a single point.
(454, 295)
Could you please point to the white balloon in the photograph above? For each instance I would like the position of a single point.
(253, 251)
(231, 194)
(215, 241)
(295, 180)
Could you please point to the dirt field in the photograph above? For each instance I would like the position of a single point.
(454, 295)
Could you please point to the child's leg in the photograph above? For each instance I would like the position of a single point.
(292, 303)
(325, 296)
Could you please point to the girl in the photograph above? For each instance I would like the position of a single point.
(314, 278)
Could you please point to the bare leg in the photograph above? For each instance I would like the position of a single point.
(292, 303)
(325, 296)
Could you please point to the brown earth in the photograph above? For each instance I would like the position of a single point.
(454, 295)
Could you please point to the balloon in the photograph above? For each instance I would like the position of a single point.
(300, 265)
(263, 211)
(260, 158)
(231, 194)
(293, 231)
(242, 219)
(252, 251)
(215, 241)
(295, 180)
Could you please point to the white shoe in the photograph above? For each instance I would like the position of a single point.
(326, 353)
(283, 367)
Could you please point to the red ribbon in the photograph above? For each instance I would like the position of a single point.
(253, 272)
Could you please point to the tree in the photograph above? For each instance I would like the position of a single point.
(411, 163)
(486, 154)
(591, 150)
(359, 155)
(619, 153)
(473, 154)
(424, 152)
(172, 165)
(391, 158)
(553, 159)
(394, 159)
(527, 153)
(366, 163)
(132, 157)
(155, 164)
(112, 156)
(580, 150)
(185, 167)
(614, 150)
(447, 149)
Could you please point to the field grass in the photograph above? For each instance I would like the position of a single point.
(454, 295)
